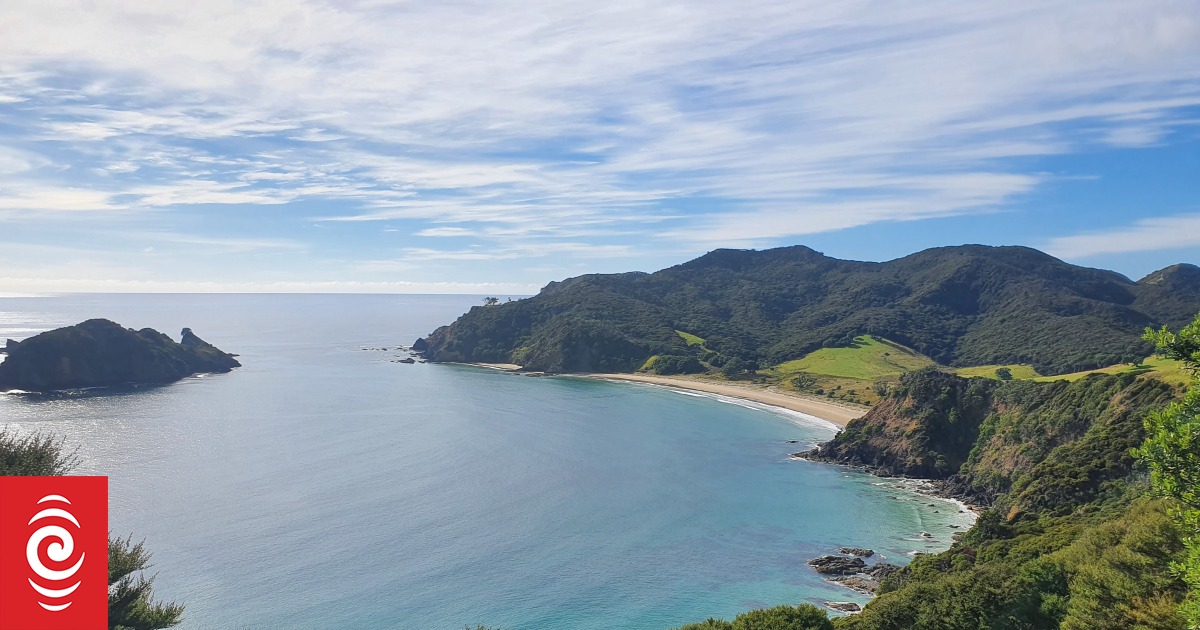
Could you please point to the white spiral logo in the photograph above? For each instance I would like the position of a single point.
(59, 551)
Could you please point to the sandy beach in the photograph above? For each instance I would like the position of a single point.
(837, 413)
(833, 412)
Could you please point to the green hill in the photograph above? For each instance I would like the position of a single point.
(866, 358)
(1167, 370)
(960, 306)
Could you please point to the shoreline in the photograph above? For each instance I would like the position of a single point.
(838, 414)
(835, 414)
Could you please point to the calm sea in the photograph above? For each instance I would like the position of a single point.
(325, 486)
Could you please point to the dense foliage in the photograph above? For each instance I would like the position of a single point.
(1172, 452)
(969, 305)
(1107, 570)
(801, 617)
(1070, 538)
(130, 598)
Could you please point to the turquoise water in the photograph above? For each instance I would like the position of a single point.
(323, 486)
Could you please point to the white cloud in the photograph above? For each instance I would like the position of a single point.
(414, 255)
(26, 285)
(37, 199)
(225, 244)
(446, 232)
(1152, 234)
(13, 161)
(698, 122)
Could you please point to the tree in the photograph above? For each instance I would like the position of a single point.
(129, 592)
(802, 617)
(1172, 452)
(733, 368)
(803, 381)
(130, 604)
(491, 301)
(1004, 374)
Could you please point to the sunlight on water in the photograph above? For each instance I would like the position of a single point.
(324, 486)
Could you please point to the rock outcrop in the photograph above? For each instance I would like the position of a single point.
(101, 353)
(837, 565)
(869, 579)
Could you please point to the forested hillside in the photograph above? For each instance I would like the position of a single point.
(961, 306)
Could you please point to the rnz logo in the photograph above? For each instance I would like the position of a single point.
(53, 553)
(61, 550)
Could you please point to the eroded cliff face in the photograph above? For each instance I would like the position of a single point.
(100, 353)
(925, 428)
(1026, 446)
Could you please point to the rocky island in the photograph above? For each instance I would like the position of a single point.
(102, 353)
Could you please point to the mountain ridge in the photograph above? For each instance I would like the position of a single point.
(960, 305)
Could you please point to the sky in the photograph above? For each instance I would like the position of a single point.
(491, 147)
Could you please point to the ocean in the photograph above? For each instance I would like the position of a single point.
(323, 485)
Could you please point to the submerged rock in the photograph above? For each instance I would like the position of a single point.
(857, 551)
(407, 360)
(101, 353)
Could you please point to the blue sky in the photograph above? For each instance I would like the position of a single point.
(490, 147)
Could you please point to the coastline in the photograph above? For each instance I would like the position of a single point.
(832, 413)
(836, 414)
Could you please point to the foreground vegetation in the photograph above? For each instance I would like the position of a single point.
(131, 604)
(1172, 452)
(801, 617)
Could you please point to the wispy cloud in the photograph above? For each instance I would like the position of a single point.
(693, 124)
(1152, 234)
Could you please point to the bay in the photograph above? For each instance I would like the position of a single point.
(323, 485)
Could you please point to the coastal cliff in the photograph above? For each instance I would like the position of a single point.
(1069, 536)
(1027, 446)
(101, 353)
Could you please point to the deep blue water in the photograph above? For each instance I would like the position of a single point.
(323, 486)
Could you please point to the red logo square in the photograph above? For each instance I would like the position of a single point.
(53, 553)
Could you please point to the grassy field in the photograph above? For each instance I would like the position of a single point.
(1020, 371)
(862, 372)
(868, 359)
(1165, 369)
(692, 340)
